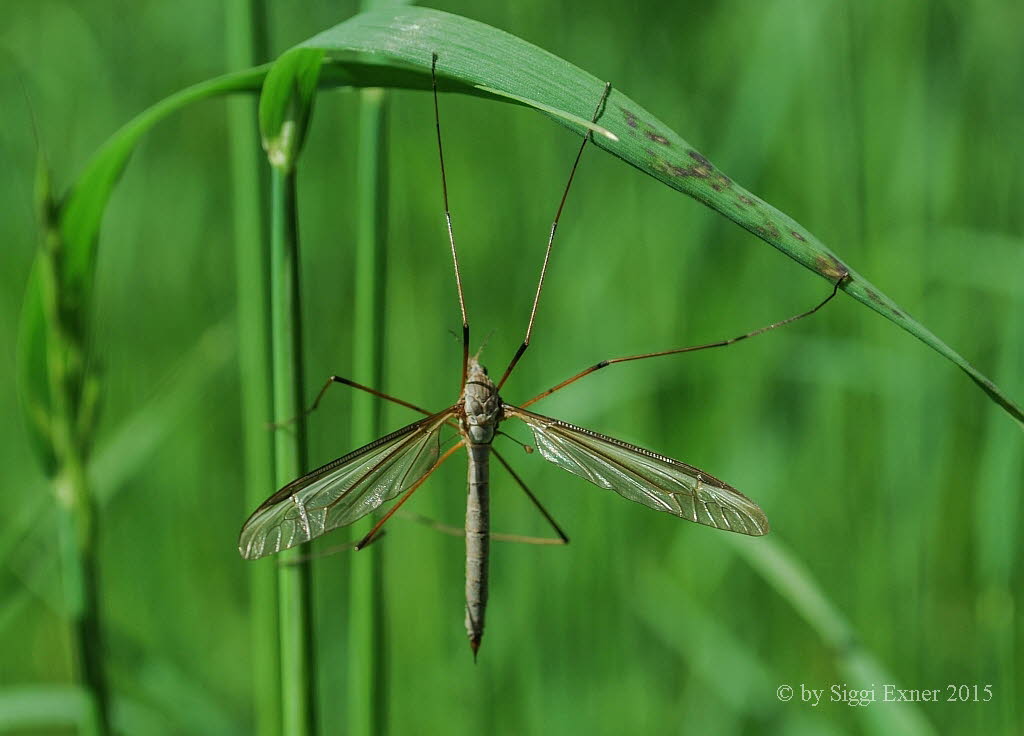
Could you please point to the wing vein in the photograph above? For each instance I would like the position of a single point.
(643, 476)
(626, 469)
(343, 490)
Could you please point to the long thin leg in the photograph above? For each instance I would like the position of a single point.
(691, 349)
(451, 233)
(456, 531)
(544, 512)
(551, 237)
(329, 552)
(405, 497)
(338, 379)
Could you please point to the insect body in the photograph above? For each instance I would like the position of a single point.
(479, 415)
(350, 487)
(354, 485)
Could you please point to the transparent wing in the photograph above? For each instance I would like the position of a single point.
(643, 476)
(343, 490)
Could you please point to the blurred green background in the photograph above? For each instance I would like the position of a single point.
(891, 130)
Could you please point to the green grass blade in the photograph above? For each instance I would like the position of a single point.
(294, 594)
(293, 578)
(997, 532)
(59, 709)
(794, 582)
(367, 695)
(246, 44)
(286, 104)
(576, 120)
(82, 210)
(127, 447)
(76, 221)
(733, 671)
(123, 452)
(473, 55)
(41, 707)
(33, 386)
(70, 399)
(285, 107)
(396, 47)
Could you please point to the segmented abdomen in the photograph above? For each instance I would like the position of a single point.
(478, 533)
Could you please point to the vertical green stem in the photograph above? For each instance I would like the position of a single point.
(247, 45)
(367, 693)
(70, 399)
(76, 520)
(293, 574)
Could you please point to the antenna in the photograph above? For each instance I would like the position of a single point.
(451, 234)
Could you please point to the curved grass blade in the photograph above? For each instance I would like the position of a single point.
(286, 105)
(73, 223)
(736, 672)
(393, 47)
(791, 579)
(552, 111)
(476, 58)
(82, 210)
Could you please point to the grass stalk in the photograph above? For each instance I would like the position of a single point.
(367, 680)
(73, 398)
(246, 42)
(293, 574)
(791, 579)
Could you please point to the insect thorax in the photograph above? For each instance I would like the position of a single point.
(481, 405)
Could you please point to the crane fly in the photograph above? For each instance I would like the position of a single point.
(398, 463)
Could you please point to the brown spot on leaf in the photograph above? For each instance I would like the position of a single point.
(716, 187)
(798, 236)
(656, 138)
(700, 159)
(746, 200)
(830, 267)
(698, 172)
(630, 117)
(877, 299)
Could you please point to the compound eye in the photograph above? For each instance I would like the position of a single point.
(484, 369)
